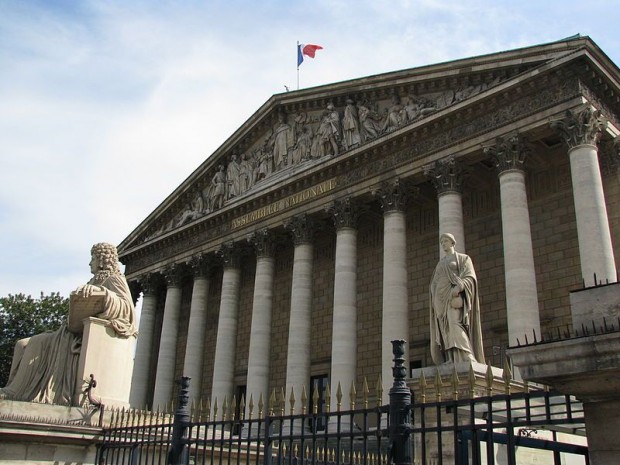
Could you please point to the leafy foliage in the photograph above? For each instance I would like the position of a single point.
(22, 316)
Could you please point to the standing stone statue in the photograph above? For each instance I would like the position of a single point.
(454, 307)
(45, 366)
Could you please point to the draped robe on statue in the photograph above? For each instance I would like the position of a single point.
(47, 369)
(455, 332)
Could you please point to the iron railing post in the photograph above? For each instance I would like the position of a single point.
(400, 408)
(179, 449)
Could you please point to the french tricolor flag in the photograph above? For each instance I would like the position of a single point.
(306, 49)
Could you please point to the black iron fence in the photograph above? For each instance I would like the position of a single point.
(462, 429)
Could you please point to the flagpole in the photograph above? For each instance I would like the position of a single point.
(296, 57)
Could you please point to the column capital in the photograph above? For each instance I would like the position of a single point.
(173, 274)
(446, 175)
(149, 283)
(393, 194)
(344, 212)
(200, 265)
(230, 255)
(508, 153)
(263, 243)
(302, 227)
(580, 126)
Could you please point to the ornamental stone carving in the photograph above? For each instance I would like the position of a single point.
(446, 175)
(173, 274)
(149, 283)
(200, 265)
(302, 228)
(263, 243)
(344, 213)
(230, 255)
(392, 195)
(581, 126)
(509, 153)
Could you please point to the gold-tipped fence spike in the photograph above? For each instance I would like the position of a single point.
(231, 408)
(422, 387)
(379, 389)
(315, 401)
(283, 448)
(438, 385)
(261, 405)
(507, 375)
(328, 397)
(272, 402)
(291, 401)
(225, 408)
(472, 381)
(338, 397)
(489, 379)
(455, 383)
(304, 400)
(251, 406)
(296, 450)
(242, 408)
(365, 392)
(208, 410)
(307, 452)
(215, 409)
(282, 402)
(352, 395)
(526, 386)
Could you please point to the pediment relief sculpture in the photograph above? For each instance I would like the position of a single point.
(303, 137)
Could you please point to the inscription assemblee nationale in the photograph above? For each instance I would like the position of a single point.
(284, 203)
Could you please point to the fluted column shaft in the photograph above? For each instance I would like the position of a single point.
(225, 347)
(298, 353)
(581, 129)
(344, 320)
(395, 319)
(144, 346)
(523, 314)
(447, 178)
(194, 348)
(164, 379)
(260, 332)
(595, 247)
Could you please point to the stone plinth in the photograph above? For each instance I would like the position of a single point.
(109, 358)
(596, 305)
(588, 368)
(474, 380)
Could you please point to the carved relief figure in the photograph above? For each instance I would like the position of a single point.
(328, 135)
(283, 140)
(369, 121)
(246, 174)
(454, 308)
(264, 159)
(417, 107)
(351, 126)
(301, 150)
(194, 211)
(396, 115)
(218, 191)
(45, 366)
(232, 177)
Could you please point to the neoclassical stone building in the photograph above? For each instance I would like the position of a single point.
(306, 242)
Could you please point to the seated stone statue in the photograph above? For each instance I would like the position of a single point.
(454, 308)
(45, 366)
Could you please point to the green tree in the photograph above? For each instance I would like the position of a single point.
(22, 316)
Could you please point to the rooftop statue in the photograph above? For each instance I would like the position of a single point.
(454, 309)
(44, 367)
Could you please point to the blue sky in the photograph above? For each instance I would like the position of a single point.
(106, 106)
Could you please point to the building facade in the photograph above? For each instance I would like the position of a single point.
(293, 255)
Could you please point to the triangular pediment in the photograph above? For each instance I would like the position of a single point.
(295, 132)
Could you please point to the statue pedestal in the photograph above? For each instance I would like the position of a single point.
(472, 380)
(109, 358)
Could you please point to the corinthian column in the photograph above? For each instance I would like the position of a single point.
(395, 320)
(164, 379)
(344, 326)
(520, 274)
(260, 332)
(447, 178)
(194, 348)
(581, 129)
(298, 353)
(138, 397)
(225, 346)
